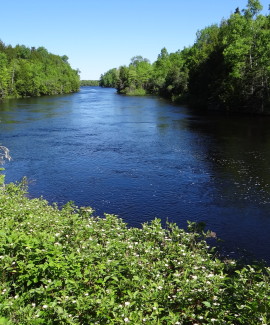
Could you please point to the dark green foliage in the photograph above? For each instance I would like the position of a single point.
(34, 72)
(89, 83)
(227, 68)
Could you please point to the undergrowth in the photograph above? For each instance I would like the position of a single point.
(67, 266)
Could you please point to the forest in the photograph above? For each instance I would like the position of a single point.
(26, 72)
(89, 83)
(227, 67)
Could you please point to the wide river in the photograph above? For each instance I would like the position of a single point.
(141, 158)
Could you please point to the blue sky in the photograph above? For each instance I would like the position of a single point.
(100, 35)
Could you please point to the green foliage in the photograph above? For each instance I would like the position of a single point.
(134, 79)
(109, 79)
(66, 266)
(247, 55)
(34, 72)
(89, 83)
(227, 68)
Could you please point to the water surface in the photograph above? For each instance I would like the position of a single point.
(141, 158)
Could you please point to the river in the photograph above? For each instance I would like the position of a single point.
(143, 157)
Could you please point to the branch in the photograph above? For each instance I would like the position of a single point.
(4, 154)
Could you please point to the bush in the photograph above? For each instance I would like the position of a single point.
(67, 266)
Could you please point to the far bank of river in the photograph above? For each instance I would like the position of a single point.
(141, 158)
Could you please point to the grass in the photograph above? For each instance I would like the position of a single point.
(67, 266)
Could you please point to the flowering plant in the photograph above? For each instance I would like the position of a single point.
(68, 266)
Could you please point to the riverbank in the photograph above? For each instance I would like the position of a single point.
(217, 71)
(69, 266)
(32, 72)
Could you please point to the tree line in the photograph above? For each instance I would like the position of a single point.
(34, 71)
(227, 67)
(89, 83)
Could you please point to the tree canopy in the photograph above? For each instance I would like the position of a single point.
(227, 67)
(34, 72)
(89, 83)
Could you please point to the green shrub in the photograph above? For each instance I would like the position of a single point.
(136, 92)
(66, 266)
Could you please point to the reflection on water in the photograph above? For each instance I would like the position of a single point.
(241, 156)
(31, 109)
(141, 157)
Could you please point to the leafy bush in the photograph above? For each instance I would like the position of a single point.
(67, 266)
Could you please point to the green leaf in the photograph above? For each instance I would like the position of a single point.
(207, 304)
(3, 321)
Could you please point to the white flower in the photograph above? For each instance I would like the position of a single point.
(127, 303)
(126, 320)
(45, 306)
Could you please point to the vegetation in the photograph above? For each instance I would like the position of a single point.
(34, 72)
(4, 155)
(66, 266)
(89, 83)
(109, 79)
(228, 67)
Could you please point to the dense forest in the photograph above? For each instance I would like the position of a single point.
(89, 83)
(227, 67)
(34, 72)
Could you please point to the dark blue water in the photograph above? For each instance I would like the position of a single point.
(141, 158)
